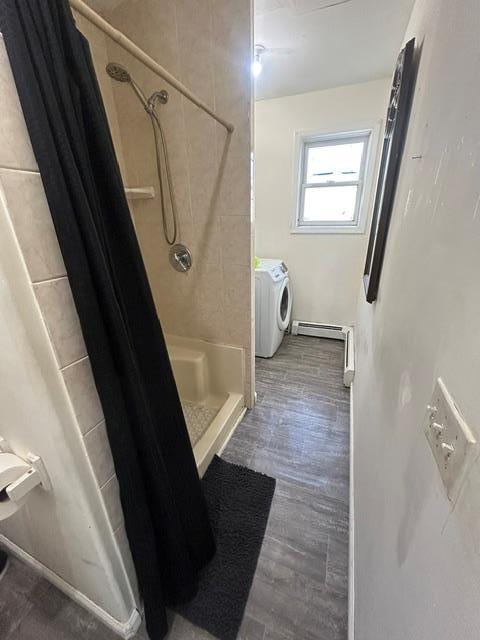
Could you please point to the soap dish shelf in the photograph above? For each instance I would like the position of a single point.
(140, 193)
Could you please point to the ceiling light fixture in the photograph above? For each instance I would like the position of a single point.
(257, 60)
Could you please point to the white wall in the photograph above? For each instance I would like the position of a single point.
(417, 557)
(325, 268)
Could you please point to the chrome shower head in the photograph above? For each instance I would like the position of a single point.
(117, 72)
(120, 74)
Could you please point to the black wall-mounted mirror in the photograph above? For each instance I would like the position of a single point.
(395, 130)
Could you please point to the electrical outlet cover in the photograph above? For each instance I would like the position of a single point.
(445, 429)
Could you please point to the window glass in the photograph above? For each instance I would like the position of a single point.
(335, 204)
(334, 162)
(331, 181)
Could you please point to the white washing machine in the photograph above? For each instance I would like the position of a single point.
(273, 306)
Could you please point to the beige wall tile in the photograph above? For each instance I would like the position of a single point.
(99, 452)
(83, 394)
(235, 193)
(152, 23)
(172, 300)
(231, 30)
(235, 188)
(237, 303)
(111, 498)
(207, 314)
(15, 147)
(203, 165)
(58, 309)
(208, 240)
(195, 47)
(236, 233)
(32, 221)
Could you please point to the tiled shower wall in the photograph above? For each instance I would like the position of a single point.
(207, 45)
(22, 190)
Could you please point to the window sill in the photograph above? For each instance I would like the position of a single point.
(354, 229)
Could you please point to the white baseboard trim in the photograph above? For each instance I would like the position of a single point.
(351, 532)
(124, 629)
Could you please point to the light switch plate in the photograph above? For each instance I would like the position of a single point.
(454, 446)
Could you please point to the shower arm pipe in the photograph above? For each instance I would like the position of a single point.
(127, 44)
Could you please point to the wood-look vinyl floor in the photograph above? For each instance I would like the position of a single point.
(298, 432)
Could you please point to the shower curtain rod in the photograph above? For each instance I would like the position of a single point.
(138, 53)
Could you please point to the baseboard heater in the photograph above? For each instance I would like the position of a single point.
(349, 357)
(316, 330)
(334, 332)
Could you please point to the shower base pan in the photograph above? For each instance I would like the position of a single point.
(210, 379)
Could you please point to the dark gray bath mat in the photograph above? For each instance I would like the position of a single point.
(239, 501)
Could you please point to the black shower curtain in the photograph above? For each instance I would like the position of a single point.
(165, 513)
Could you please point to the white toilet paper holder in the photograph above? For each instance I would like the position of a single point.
(35, 475)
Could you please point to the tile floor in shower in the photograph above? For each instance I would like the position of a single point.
(299, 433)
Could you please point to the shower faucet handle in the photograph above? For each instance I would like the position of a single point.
(182, 261)
(180, 258)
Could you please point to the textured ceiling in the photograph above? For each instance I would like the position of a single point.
(317, 44)
(297, 6)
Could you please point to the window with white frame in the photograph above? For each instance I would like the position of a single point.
(331, 181)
